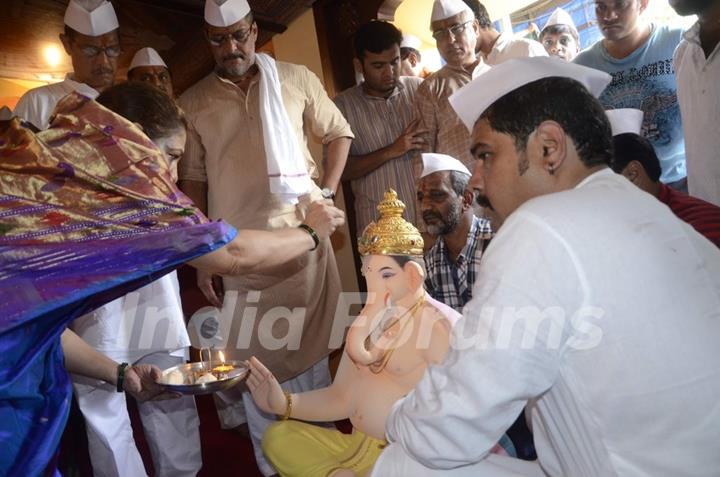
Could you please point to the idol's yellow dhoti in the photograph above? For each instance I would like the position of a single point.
(298, 449)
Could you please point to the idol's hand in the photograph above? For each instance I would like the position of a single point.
(266, 391)
(211, 286)
(141, 383)
(323, 217)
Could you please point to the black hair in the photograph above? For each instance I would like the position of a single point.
(146, 105)
(559, 29)
(480, 12)
(406, 50)
(458, 182)
(632, 147)
(376, 36)
(562, 100)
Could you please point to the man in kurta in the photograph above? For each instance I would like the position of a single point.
(92, 41)
(381, 156)
(247, 162)
(455, 30)
(595, 305)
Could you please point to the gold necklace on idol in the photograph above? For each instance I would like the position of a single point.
(378, 366)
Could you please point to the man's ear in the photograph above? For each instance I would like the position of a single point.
(65, 40)
(415, 274)
(468, 198)
(632, 172)
(643, 5)
(551, 139)
(357, 64)
(413, 59)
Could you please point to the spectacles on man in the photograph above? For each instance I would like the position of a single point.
(239, 37)
(456, 31)
(91, 51)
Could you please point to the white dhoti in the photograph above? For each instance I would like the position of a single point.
(146, 326)
(234, 407)
(171, 429)
(395, 462)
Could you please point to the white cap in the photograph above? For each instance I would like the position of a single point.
(411, 41)
(625, 120)
(444, 9)
(433, 162)
(5, 113)
(146, 57)
(227, 13)
(91, 17)
(560, 17)
(470, 101)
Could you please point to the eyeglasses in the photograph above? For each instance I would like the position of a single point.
(92, 51)
(239, 37)
(456, 31)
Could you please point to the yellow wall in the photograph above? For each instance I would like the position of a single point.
(299, 44)
(12, 89)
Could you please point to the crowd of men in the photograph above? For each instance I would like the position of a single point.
(504, 165)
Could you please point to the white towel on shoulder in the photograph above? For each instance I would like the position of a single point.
(287, 170)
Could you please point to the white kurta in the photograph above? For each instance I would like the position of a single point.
(37, 105)
(629, 387)
(698, 91)
(508, 47)
(148, 320)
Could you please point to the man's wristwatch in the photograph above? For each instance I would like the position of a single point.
(328, 193)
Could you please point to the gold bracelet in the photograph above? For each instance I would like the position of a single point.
(288, 406)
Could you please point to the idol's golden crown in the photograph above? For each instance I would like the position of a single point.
(391, 234)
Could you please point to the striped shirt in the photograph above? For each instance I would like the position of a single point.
(701, 215)
(377, 123)
(452, 283)
(447, 134)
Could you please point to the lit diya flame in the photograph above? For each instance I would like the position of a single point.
(223, 368)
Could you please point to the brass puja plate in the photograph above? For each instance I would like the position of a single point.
(227, 374)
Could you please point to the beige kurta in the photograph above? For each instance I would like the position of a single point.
(446, 132)
(226, 150)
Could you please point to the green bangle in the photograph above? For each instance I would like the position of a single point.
(121, 376)
(312, 233)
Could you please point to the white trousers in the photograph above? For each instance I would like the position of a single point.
(394, 462)
(171, 429)
(234, 408)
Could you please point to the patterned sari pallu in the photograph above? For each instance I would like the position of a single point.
(88, 212)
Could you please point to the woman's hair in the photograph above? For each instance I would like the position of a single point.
(155, 111)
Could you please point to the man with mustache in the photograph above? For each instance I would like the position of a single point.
(595, 306)
(455, 30)
(697, 69)
(92, 41)
(638, 55)
(246, 160)
(147, 66)
(381, 156)
(446, 205)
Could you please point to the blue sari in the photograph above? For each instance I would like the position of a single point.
(88, 213)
